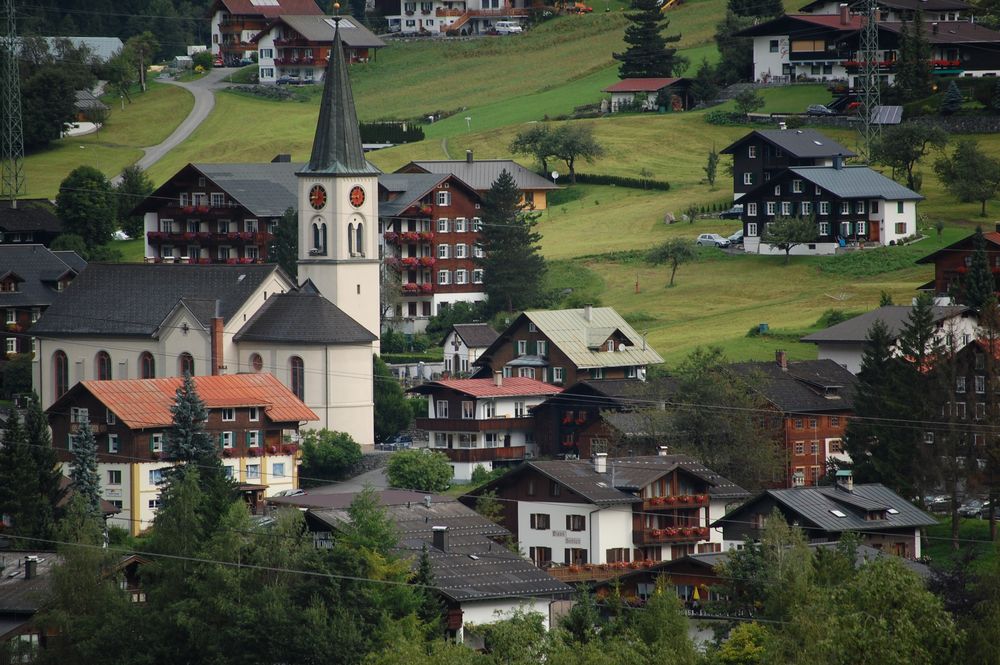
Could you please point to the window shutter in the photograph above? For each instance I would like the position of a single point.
(151, 446)
(222, 440)
(532, 347)
(248, 438)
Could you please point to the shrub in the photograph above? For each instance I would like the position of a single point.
(724, 118)
(419, 469)
(622, 181)
(327, 456)
(390, 131)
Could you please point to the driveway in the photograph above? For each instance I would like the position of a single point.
(204, 101)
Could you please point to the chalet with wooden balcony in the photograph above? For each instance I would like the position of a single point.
(564, 346)
(894, 11)
(482, 422)
(218, 213)
(813, 401)
(612, 512)
(952, 264)
(883, 519)
(452, 17)
(298, 46)
(429, 224)
(236, 22)
(763, 153)
(31, 277)
(253, 419)
(32, 222)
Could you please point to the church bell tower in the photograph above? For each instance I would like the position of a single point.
(338, 204)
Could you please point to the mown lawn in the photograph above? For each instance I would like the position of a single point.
(148, 120)
(974, 535)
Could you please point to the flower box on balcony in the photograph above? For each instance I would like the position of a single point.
(205, 261)
(271, 450)
(427, 261)
(231, 262)
(426, 209)
(188, 209)
(289, 449)
(204, 235)
(411, 261)
(410, 287)
(233, 235)
(391, 237)
(253, 452)
(671, 500)
(203, 208)
(189, 235)
(427, 235)
(227, 452)
(427, 288)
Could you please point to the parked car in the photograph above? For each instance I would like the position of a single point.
(507, 28)
(712, 240)
(819, 109)
(736, 212)
(289, 80)
(971, 508)
(736, 238)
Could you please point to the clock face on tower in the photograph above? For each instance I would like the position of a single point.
(357, 196)
(317, 197)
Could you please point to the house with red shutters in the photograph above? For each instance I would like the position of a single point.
(951, 264)
(252, 418)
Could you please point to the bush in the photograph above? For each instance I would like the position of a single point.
(327, 456)
(391, 131)
(15, 376)
(205, 60)
(419, 469)
(622, 181)
(832, 317)
(724, 118)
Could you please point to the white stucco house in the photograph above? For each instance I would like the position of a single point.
(463, 345)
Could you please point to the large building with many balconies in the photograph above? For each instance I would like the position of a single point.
(236, 22)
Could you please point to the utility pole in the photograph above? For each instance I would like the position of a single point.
(12, 140)
(870, 96)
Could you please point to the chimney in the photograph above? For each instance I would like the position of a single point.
(498, 378)
(217, 359)
(440, 537)
(468, 155)
(845, 480)
(845, 14)
(838, 162)
(427, 501)
(782, 125)
(934, 28)
(588, 313)
(601, 462)
(661, 451)
(781, 358)
(30, 567)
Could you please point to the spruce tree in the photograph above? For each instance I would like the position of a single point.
(513, 265)
(431, 610)
(952, 101)
(186, 440)
(284, 248)
(648, 55)
(978, 284)
(86, 481)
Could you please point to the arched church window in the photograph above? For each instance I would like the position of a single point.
(297, 371)
(359, 242)
(350, 239)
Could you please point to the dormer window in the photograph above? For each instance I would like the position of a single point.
(8, 286)
(611, 345)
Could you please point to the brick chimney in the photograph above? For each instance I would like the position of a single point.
(218, 362)
(781, 358)
(845, 14)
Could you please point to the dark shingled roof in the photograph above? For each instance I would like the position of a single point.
(893, 316)
(320, 29)
(19, 596)
(30, 215)
(133, 299)
(808, 386)
(266, 190)
(474, 566)
(408, 189)
(39, 268)
(303, 318)
(923, 5)
(805, 143)
(71, 258)
(813, 505)
(476, 335)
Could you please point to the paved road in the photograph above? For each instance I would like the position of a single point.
(374, 478)
(204, 102)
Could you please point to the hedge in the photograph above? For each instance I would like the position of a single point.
(621, 181)
(390, 132)
(405, 358)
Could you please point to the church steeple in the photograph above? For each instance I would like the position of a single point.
(336, 148)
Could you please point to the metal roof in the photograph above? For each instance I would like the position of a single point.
(269, 7)
(804, 143)
(851, 182)
(266, 190)
(893, 316)
(509, 387)
(146, 403)
(302, 317)
(321, 29)
(887, 115)
(39, 268)
(480, 174)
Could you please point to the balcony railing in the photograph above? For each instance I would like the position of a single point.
(675, 502)
(206, 237)
(474, 425)
(203, 209)
(300, 62)
(482, 454)
(441, 12)
(394, 238)
(596, 572)
(671, 535)
(295, 42)
(503, 11)
(414, 289)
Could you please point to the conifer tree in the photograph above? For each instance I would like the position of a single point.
(979, 284)
(512, 263)
(431, 608)
(86, 481)
(648, 55)
(186, 440)
(952, 101)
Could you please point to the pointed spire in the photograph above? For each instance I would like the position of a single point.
(336, 148)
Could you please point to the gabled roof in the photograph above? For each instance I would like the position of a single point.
(893, 316)
(30, 215)
(856, 182)
(321, 28)
(802, 143)
(475, 335)
(19, 596)
(302, 318)
(574, 335)
(481, 388)
(966, 244)
(268, 7)
(790, 23)
(913, 5)
(807, 386)
(950, 32)
(145, 403)
(408, 189)
(642, 84)
(85, 101)
(480, 174)
(815, 505)
(133, 299)
(38, 270)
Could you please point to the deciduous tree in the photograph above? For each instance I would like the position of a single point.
(534, 141)
(86, 206)
(748, 101)
(421, 470)
(327, 456)
(786, 233)
(570, 142)
(902, 146)
(673, 252)
(969, 173)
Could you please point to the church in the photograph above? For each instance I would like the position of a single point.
(317, 336)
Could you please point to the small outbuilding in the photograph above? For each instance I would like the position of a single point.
(651, 94)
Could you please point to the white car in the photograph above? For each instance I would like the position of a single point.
(712, 240)
(507, 28)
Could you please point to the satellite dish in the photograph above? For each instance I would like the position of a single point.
(555, 175)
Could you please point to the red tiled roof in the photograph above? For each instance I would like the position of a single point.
(250, 8)
(145, 403)
(509, 387)
(641, 85)
(831, 20)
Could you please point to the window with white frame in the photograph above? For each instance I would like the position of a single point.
(960, 384)
(786, 208)
(461, 251)
(818, 190)
(443, 225)
(114, 477)
(254, 412)
(824, 228)
(468, 409)
(770, 207)
(444, 198)
(477, 223)
(228, 415)
(477, 276)
(520, 409)
(542, 347)
(824, 207)
(557, 375)
(862, 228)
(491, 440)
(156, 443)
(112, 443)
(807, 208)
(11, 345)
(444, 251)
(460, 225)
(477, 251)
(217, 199)
(489, 409)
(526, 372)
(461, 276)
(444, 277)
(752, 209)
(797, 186)
(441, 408)
(265, 53)
(253, 438)
(278, 470)
(845, 207)
(253, 471)
(980, 384)
(859, 207)
(777, 190)
(227, 439)
(155, 476)
(182, 199)
(748, 178)
(11, 317)
(522, 347)
(267, 72)
(752, 229)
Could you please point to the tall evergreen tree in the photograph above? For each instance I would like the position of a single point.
(285, 246)
(513, 265)
(186, 440)
(913, 77)
(647, 54)
(86, 481)
(392, 411)
(952, 101)
(979, 285)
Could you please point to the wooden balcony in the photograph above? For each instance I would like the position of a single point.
(499, 13)
(442, 12)
(671, 535)
(96, 428)
(595, 572)
(209, 238)
(471, 425)
(483, 454)
(680, 502)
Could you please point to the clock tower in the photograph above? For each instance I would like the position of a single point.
(338, 204)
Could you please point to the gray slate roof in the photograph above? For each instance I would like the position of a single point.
(133, 299)
(804, 143)
(39, 268)
(71, 258)
(266, 190)
(408, 189)
(29, 215)
(18, 595)
(476, 335)
(856, 182)
(474, 566)
(303, 318)
(813, 505)
(320, 29)
(85, 101)
(480, 174)
(808, 386)
(893, 316)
